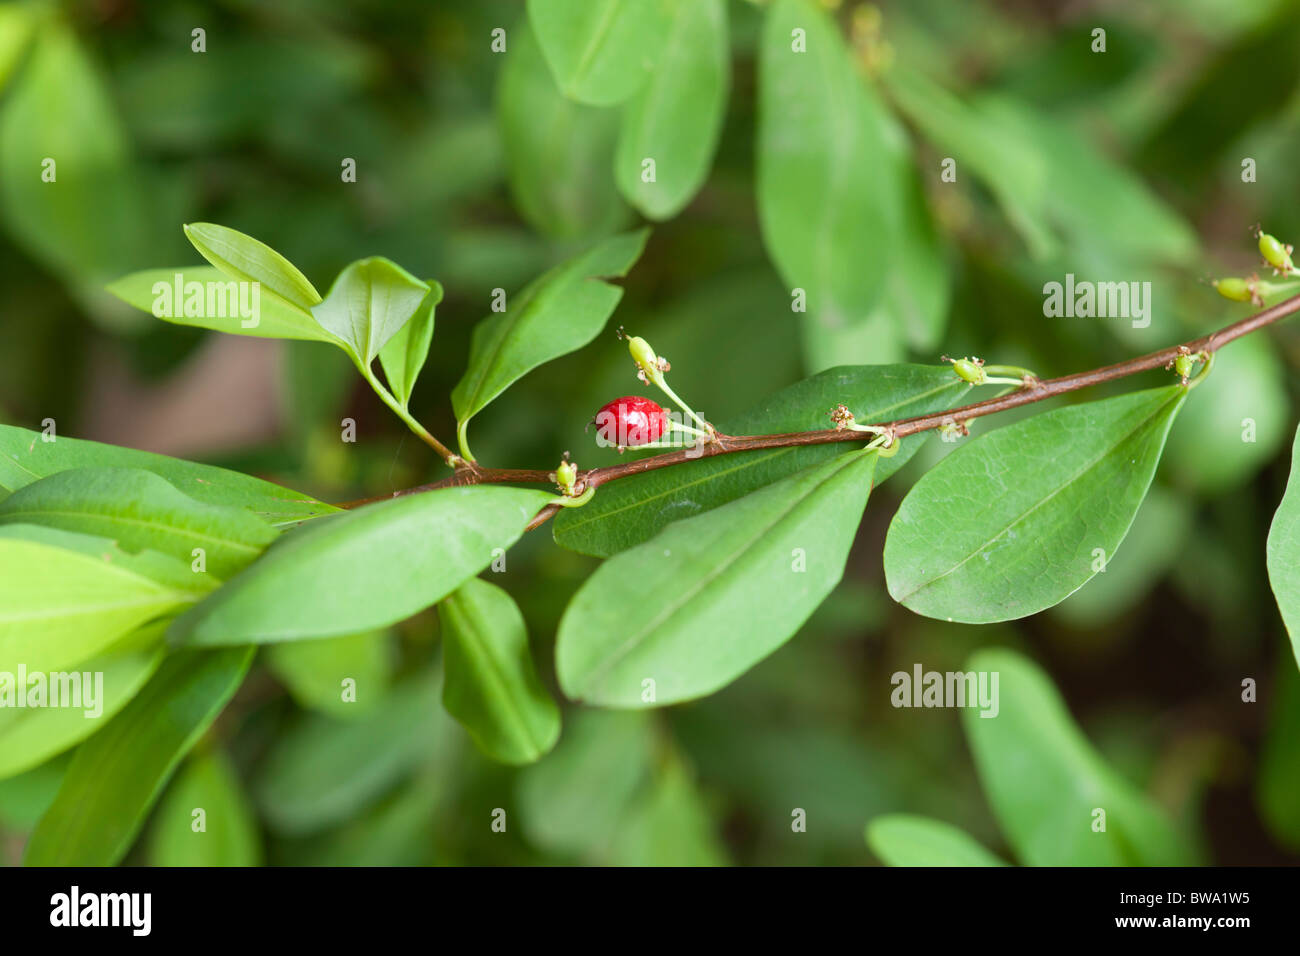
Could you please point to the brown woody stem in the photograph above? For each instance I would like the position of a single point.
(472, 474)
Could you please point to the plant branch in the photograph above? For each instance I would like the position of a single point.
(1035, 391)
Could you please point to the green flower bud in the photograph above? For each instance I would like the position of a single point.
(1183, 366)
(1238, 290)
(969, 370)
(1275, 253)
(565, 475)
(643, 354)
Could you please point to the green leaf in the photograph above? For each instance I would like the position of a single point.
(364, 569)
(573, 802)
(83, 216)
(1045, 781)
(1284, 552)
(25, 456)
(822, 198)
(632, 510)
(213, 304)
(1021, 518)
(315, 671)
(323, 770)
(491, 684)
(555, 314)
(676, 119)
(369, 303)
(987, 137)
(228, 836)
(709, 597)
(66, 597)
(30, 736)
(601, 51)
(558, 153)
(404, 354)
(901, 839)
(17, 22)
(246, 259)
(669, 826)
(116, 776)
(141, 511)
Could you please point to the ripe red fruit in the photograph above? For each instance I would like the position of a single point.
(630, 421)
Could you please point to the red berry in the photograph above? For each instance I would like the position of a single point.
(630, 421)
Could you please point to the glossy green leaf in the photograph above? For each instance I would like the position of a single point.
(558, 153)
(555, 314)
(491, 685)
(693, 608)
(214, 304)
(1046, 782)
(1241, 410)
(340, 676)
(246, 259)
(67, 597)
(670, 825)
(369, 303)
(601, 51)
(116, 776)
(363, 569)
(205, 819)
(1019, 519)
(576, 800)
(84, 215)
(30, 736)
(985, 137)
(404, 354)
(1284, 552)
(141, 511)
(25, 457)
(901, 839)
(632, 510)
(323, 770)
(676, 119)
(822, 198)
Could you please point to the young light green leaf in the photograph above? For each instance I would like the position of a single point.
(116, 776)
(324, 770)
(573, 802)
(1047, 785)
(339, 676)
(29, 736)
(822, 198)
(67, 597)
(675, 120)
(404, 354)
(491, 685)
(634, 509)
(555, 314)
(601, 51)
(1021, 518)
(558, 152)
(1284, 552)
(141, 511)
(901, 839)
(205, 297)
(246, 259)
(364, 569)
(707, 598)
(209, 784)
(369, 303)
(26, 456)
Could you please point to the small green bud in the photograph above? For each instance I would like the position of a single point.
(1275, 253)
(969, 370)
(643, 354)
(1183, 366)
(565, 476)
(1238, 290)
